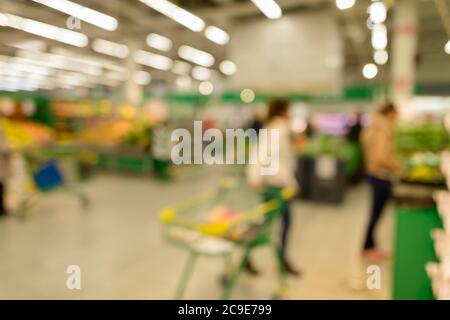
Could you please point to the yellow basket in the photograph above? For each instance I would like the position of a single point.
(173, 215)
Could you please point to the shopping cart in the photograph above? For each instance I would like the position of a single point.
(203, 227)
(49, 170)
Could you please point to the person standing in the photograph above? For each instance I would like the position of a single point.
(4, 168)
(381, 165)
(271, 186)
(355, 166)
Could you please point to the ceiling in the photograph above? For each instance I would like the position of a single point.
(136, 21)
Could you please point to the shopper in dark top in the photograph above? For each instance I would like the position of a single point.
(4, 168)
(354, 130)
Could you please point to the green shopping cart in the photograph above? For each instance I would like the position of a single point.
(220, 222)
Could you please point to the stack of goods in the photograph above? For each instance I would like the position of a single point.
(324, 166)
(105, 133)
(423, 167)
(439, 273)
(334, 146)
(412, 138)
(419, 146)
(139, 137)
(25, 134)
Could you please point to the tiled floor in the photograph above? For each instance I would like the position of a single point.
(119, 248)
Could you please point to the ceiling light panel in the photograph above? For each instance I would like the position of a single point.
(177, 14)
(196, 56)
(44, 30)
(85, 14)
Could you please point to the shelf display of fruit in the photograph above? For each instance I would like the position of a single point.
(423, 167)
(25, 134)
(140, 136)
(105, 133)
(40, 133)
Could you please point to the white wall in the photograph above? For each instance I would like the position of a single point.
(291, 54)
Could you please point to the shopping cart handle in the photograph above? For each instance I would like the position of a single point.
(287, 193)
(167, 215)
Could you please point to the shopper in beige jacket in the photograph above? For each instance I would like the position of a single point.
(380, 164)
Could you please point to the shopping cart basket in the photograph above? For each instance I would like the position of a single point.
(218, 223)
(51, 171)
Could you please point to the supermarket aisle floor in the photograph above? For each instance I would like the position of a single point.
(119, 248)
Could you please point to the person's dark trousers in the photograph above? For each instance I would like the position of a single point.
(285, 226)
(2, 199)
(275, 193)
(381, 192)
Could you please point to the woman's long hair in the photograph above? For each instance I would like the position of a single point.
(277, 107)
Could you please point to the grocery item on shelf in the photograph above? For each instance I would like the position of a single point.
(414, 137)
(25, 134)
(40, 133)
(105, 133)
(443, 203)
(423, 167)
(327, 145)
(438, 273)
(139, 136)
(445, 163)
(14, 135)
(441, 244)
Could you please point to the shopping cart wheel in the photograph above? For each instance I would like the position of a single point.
(281, 294)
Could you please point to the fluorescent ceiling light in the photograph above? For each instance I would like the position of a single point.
(206, 88)
(201, 73)
(57, 61)
(269, 7)
(370, 71)
(345, 4)
(381, 57)
(181, 68)
(377, 12)
(110, 48)
(196, 56)
(88, 15)
(159, 42)
(34, 45)
(90, 61)
(44, 30)
(228, 67)
(247, 95)
(217, 35)
(447, 48)
(379, 37)
(153, 60)
(174, 12)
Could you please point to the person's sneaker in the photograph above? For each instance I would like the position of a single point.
(250, 269)
(375, 255)
(291, 270)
